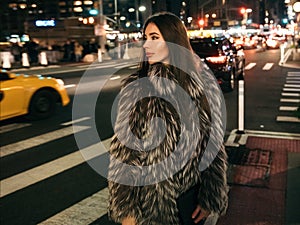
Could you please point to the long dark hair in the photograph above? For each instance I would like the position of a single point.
(175, 34)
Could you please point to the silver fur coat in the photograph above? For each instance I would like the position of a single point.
(141, 187)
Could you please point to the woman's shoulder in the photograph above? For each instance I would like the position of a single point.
(130, 78)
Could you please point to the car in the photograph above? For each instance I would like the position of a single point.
(224, 58)
(35, 96)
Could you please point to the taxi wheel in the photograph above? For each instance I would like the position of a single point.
(42, 105)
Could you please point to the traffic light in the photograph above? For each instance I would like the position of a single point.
(243, 11)
(201, 22)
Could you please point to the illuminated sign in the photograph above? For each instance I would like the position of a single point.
(45, 23)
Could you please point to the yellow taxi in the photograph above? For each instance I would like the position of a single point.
(33, 95)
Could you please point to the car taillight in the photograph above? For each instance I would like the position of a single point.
(217, 59)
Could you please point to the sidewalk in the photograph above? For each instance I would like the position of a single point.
(264, 180)
(132, 54)
(293, 60)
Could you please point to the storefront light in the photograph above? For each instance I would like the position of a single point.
(77, 9)
(78, 3)
(88, 2)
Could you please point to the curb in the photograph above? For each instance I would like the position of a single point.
(235, 139)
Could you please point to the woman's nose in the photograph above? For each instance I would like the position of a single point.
(146, 44)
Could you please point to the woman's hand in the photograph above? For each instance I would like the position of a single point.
(128, 221)
(199, 214)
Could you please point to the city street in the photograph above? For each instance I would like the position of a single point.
(46, 180)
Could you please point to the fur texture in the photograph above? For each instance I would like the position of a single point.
(155, 204)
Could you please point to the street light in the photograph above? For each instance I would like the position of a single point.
(137, 16)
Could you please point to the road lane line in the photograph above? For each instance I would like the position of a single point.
(12, 127)
(46, 170)
(84, 212)
(268, 66)
(38, 140)
(250, 66)
(288, 119)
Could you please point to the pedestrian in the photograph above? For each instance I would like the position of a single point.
(157, 179)
(78, 51)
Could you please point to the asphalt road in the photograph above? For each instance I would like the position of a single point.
(46, 180)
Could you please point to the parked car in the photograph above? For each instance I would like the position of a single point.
(33, 95)
(225, 59)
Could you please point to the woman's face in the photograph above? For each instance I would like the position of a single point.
(155, 46)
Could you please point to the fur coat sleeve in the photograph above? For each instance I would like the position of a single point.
(142, 187)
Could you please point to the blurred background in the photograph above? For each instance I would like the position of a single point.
(54, 22)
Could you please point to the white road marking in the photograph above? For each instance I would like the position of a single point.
(44, 171)
(84, 212)
(12, 127)
(293, 81)
(76, 121)
(292, 85)
(290, 100)
(250, 66)
(288, 119)
(268, 66)
(288, 108)
(38, 140)
(293, 78)
(292, 89)
(290, 94)
(293, 74)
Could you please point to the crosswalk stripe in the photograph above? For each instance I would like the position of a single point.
(288, 119)
(293, 81)
(76, 215)
(12, 127)
(290, 100)
(250, 66)
(293, 74)
(76, 121)
(292, 89)
(44, 171)
(268, 66)
(293, 78)
(288, 108)
(38, 140)
(290, 94)
(292, 85)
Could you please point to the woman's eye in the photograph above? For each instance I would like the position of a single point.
(154, 38)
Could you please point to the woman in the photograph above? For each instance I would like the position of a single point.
(152, 179)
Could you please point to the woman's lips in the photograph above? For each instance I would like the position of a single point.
(148, 54)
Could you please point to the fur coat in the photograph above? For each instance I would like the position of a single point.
(149, 193)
